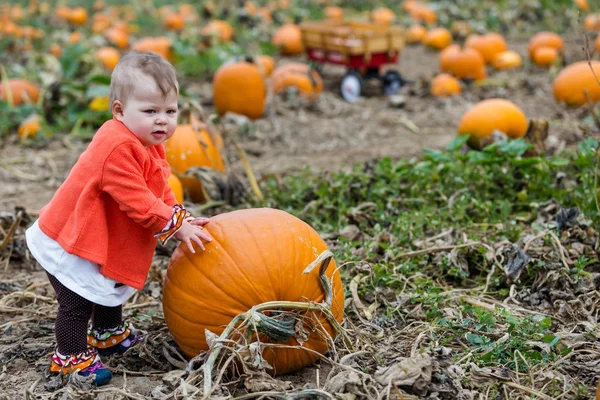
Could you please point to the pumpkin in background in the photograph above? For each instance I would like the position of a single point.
(489, 115)
(445, 85)
(193, 146)
(266, 64)
(118, 37)
(447, 55)
(424, 14)
(464, 64)
(489, 45)
(305, 79)
(175, 185)
(219, 29)
(21, 90)
(507, 60)
(583, 4)
(597, 44)
(289, 39)
(461, 28)
(108, 56)
(575, 79)
(78, 16)
(29, 127)
(592, 22)
(173, 22)
(382, 16)
(160, 45)
(415, 34)
(545, 39)
(334, 13)
(438, 38)
(256, 256)
(545, 56)
(240, 88)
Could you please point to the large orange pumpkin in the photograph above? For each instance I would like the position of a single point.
(289, 39)
(573, 81)
(489, 115)
(21, 91)
(206, 290)
(545, 39)
(301, 76)
(464, 64)
(190, 147)
(489, 45)
(240, 88)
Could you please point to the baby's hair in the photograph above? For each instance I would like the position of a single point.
(122, 80)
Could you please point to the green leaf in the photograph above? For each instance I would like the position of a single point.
(474, 339)
(458, 142)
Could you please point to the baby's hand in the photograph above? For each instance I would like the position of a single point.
(191, 232)
(200, 221)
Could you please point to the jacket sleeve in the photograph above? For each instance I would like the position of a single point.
(169, 196)
(123, 179)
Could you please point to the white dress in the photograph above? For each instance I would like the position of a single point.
(80, 275)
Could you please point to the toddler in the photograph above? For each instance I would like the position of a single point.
(97, 236)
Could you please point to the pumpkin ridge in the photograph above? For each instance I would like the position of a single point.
(187, 318)
(307, 281)
(280, 278)
(188, 255)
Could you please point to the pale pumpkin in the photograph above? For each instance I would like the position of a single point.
(445, 85)
(507, 60)
(438, 38)
(415, 34)
(288, 38)
(175, 185)
(489, 115)
(489, 45)
(545, 39)
(21, 90)
(571, 84)
(256, 256)
(240, 88)
(305, 79)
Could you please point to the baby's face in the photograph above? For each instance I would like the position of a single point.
(151, 117)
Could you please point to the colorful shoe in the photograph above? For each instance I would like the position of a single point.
(85, 364)
(113, 341)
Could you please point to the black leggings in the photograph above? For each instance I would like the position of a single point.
(73, 315)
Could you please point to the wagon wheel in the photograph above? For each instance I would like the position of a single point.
(392, 82)
(351, 86)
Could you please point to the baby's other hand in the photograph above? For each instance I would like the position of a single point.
(189, 233)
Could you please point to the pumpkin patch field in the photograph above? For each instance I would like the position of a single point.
(404, 196)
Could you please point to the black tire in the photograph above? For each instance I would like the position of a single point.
(392, 82)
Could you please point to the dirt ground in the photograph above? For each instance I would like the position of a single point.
(329, 134)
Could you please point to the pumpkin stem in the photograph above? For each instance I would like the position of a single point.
(279, 329)
(324, 258)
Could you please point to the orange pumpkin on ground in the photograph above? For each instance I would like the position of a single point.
(464, 64)
(240, 88)
(507, 60)
(208, 289)
(173, 22)
(78, 16)
(546, 39)
(306, 80)
(289, 39)
(118, 37)
(583, 4)
(597, 44)
(447, 55)
(334, 13)
(489, 115)
(108, 56)
(488, 45)
(415, 34)
(29, 127)
(219, 29)
(571, 84)
(592, 22)
(266, 64)
(382, 16)
(175, 185)
(545, 56)
(423, 14)
(160, 45)
(438, 38)
(445, 85)
(21, 90)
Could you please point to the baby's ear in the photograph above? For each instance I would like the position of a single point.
(117, 109)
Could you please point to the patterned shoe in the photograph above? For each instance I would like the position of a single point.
(113, 341)
(85, 364)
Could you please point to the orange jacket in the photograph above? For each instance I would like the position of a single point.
(114, 200)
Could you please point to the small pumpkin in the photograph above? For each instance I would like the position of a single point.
(289, 39)
(488, 45)
(175, 185)
(382, 16)
(173, 22)
(29, 127)
(444, 85)
(239, 87)
(415, 34)
(545, 56)
(592, 22)
(334, 13)
(160, 45)
(423, 14)
(583, 4)
(78, 16)
(305, 79)
(545, 39)
(438, 38)
(266, 64)
(219, 29)
(55, 50)
(465, 63)
(108, 56)
(21, 91)
(206, 290)
(507, 60)
(489, 115)
(571, 84)
(118, 37)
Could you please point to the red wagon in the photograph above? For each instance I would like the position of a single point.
(362, 47)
